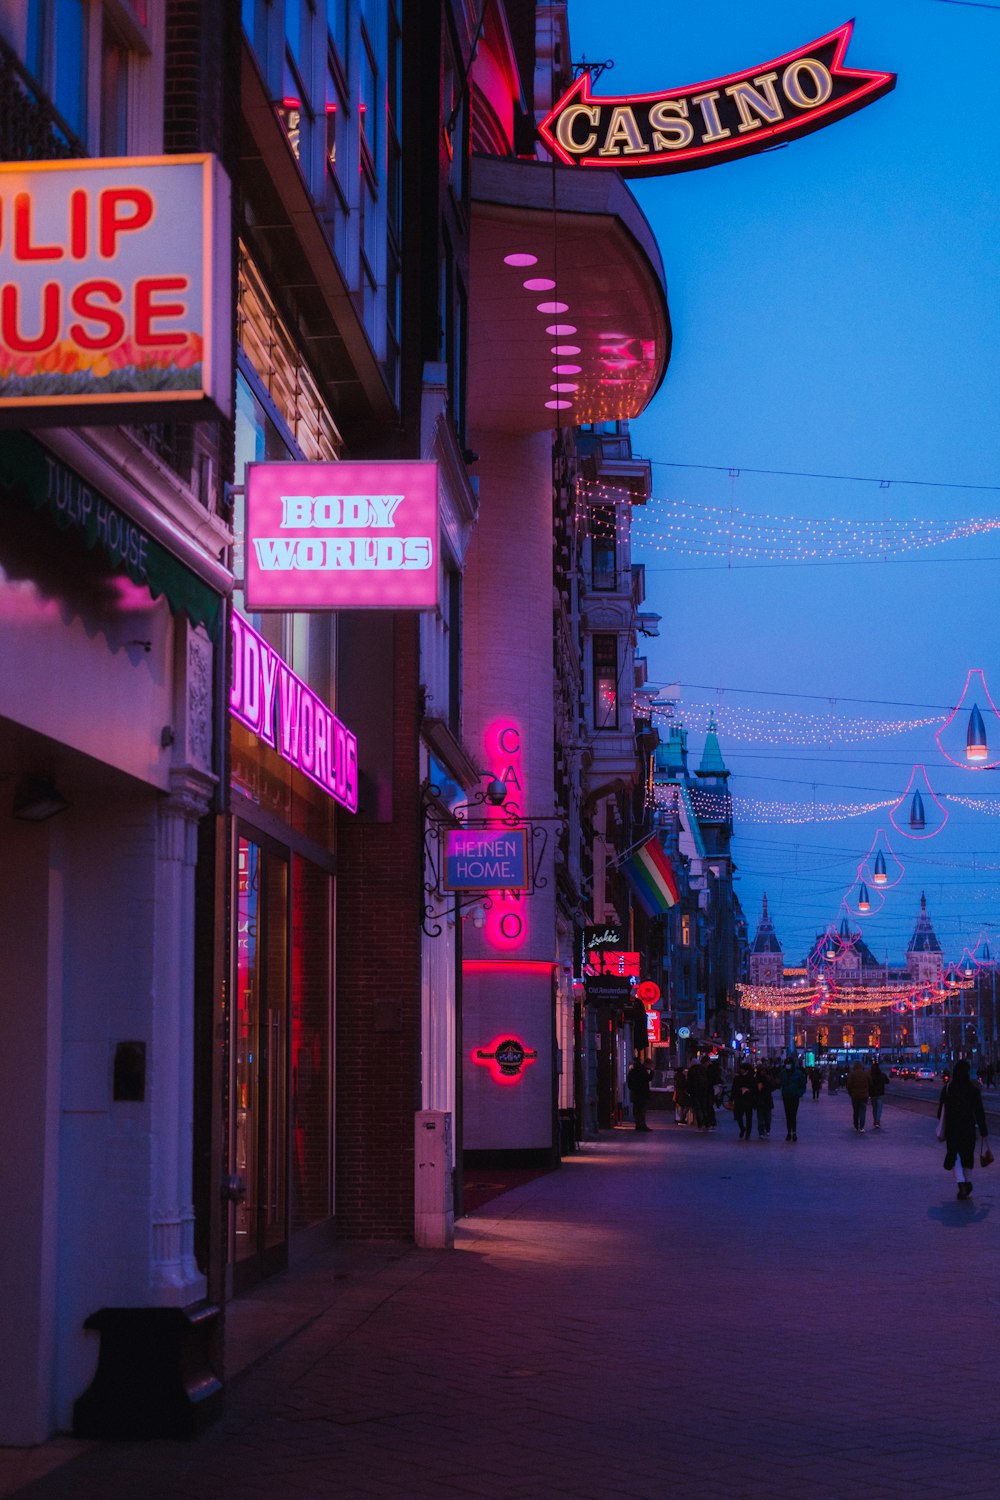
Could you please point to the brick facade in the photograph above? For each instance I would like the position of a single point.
(379, 883)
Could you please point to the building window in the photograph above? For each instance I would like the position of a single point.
(603, 546)
(114, 91)
(605, 682)
(685, 931)
(848, 1036)
(57, 56)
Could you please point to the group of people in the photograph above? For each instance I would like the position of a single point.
(753, 1092)
(699, 1088)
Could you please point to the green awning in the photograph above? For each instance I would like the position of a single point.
(32, 474)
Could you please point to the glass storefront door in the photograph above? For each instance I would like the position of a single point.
(260, 1062)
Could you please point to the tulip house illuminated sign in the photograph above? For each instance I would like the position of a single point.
(115, 288)
(342, 536)
(696, 126)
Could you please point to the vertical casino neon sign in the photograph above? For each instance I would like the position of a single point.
(506, 926)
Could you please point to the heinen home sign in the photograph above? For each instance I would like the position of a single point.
(704, 123)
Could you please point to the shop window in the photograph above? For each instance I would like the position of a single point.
(875, 1037)
(848, 1036)
(605, 681)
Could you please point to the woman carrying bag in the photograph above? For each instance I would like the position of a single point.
(960, 1114)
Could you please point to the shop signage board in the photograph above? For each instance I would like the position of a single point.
(115, 288)
(486, 859)
(608, 989)
(348, 535)
(679, 129)
(604, 952)
(275, 704)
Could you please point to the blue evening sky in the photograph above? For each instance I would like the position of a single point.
(836, 312)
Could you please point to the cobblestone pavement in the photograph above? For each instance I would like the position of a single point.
(668, 1315)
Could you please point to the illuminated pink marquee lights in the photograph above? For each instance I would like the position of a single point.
(275, 704)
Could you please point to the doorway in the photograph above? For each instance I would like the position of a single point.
(260, 1062)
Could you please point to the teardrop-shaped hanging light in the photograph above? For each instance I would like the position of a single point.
(985, 954)
(918, 818)
(879, 876)
(864, 900)
(976, 747)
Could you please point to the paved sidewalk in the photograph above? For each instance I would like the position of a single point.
(668, 1315)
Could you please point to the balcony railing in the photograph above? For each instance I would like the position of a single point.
(31, 128)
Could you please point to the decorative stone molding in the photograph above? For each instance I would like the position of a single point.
(200, 658)
(179, 813)
(176, 1280)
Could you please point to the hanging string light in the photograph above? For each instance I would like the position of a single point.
(715, 805)
(990, 807)
(786, 727)
(687, 528)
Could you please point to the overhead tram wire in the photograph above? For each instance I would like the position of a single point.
(880, 479)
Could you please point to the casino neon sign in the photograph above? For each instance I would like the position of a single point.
(681, 129)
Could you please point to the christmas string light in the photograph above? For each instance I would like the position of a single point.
(716, 805)
(690, 529)
(786, 727)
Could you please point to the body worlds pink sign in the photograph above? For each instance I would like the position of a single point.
(277, 706)
(341, 536)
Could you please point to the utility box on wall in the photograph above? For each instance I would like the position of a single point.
(434, 1206)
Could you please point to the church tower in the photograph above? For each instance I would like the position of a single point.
(924, 962)
(767, 961)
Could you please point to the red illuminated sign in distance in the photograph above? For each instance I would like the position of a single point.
(681, 129)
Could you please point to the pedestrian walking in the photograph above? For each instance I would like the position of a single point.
(763, 1099)
(859, 1088)
(638, 1085)
(682, 1100)
(713, 1073)
(793, 1086)
(960, 1114)
(698, 1092)
(744, 1092)
(816, 1079)
(876, 1092)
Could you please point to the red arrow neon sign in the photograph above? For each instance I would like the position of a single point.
(705, 123)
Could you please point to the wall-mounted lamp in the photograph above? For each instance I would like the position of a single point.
(496, 791)
(37, 798)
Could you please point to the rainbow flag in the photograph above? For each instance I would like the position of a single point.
(651, 877)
